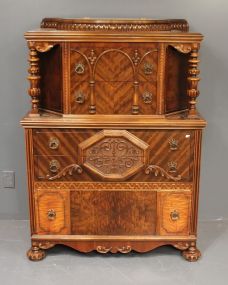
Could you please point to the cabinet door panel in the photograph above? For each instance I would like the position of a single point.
(52, 212)
(173, 213)
(113, 212)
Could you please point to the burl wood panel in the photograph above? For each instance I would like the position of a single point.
(56, 204)
(174, 160)
(113, 212)
(168, 203)
(176, 80)
(117, 71)
(51, 79)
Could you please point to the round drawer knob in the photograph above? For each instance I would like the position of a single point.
(51, 214)
(174, 215)
(53, 143)
(54, 166)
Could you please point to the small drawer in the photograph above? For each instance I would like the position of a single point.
(173, 152)
(54, 143)
(173, 213)
(54, 167)
(52, 211)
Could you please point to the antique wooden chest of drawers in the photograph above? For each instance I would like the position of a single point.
(113, 138)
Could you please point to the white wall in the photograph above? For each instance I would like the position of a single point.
(207, 17)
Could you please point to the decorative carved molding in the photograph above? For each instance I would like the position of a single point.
(92, 57)
(181, 245)
(43, 46)
(161, 78)
(66, 76)
(103, 249)
(68, 170)
(131, 186)
(113, 154)
(157, 170)
(46, 245)
(136, 57)
(183, 48)
(115, 25)
(122, 249)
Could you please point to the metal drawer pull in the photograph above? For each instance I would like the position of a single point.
(147, 97)
(51, 214)
(80, 98)
(54, 166)
(79, 68)
(148, 68)
(53, 143)
(172, 165)
(173, 144)
(174, 215)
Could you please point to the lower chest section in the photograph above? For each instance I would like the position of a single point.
(113, 182)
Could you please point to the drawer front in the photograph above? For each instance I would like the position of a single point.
(49, 167)
(52, 212)
(113, 212)
(52, 142)
(173, 213)
(107, 75)
(114, 155)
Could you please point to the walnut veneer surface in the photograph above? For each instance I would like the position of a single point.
(113, 137)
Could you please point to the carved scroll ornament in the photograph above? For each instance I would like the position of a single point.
(157, 170)
(67, 170)
(183, 48)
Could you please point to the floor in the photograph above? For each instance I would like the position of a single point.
(161, 266)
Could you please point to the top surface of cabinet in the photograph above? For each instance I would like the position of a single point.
(113, 66)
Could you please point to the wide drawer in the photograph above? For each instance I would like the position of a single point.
(113, 155)
(113, 212)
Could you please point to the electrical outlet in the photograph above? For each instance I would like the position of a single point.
(7, 179)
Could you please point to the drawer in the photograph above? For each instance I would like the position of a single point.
(104, 75)
(173, 213)
(114, 155)
(51, 142)
(46, 166)
(52, 211)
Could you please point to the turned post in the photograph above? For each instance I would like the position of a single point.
(193, 80)
(34, 78)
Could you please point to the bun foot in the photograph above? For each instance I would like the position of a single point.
(36, 254)
(192, 253)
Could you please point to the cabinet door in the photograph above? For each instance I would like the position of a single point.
(173, 213)
(52, 212)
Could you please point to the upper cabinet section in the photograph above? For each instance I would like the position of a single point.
(138, 67)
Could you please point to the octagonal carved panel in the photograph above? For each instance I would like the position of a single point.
(113, 154)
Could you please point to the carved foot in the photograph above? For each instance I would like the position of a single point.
(35, 253)
(192, 253)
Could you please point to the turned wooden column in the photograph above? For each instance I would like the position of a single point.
(34, 78)
(193, 80)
